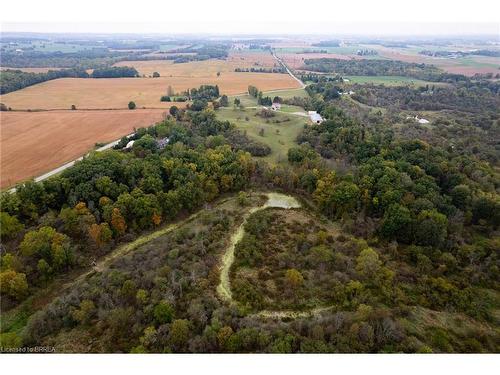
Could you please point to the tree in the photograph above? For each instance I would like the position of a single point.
(9, 226)
(173, 110)
(198, 105)
(14, 284)
(237, 102)
(131, 105)
(85, 312)
(163, 312)
(77, 220)
(46, 243)
(170, 91)
(461, 196)
(179, 333)
(430, 228)
(73, 107)
(156, 74)
(396, 222)
(293, 278)
(253, 91)
(224, 101)
(118, 222)
(368, 263)
(100, 233)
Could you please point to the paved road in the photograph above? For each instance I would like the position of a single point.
(280, 61)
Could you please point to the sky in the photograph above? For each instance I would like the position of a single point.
(362, 17)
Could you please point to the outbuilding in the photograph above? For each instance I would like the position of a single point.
(315, 117)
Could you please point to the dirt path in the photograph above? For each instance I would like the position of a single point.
(273, 200)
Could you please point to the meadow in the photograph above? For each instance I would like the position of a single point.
(278, 136)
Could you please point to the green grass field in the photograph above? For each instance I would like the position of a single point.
(249, 101)
(389, 80)
(280, 137)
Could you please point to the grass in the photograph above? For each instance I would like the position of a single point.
(279, 137)
(389, 80)
(287, 94)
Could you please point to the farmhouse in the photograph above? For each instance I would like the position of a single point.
(315, 117)
(276, 106)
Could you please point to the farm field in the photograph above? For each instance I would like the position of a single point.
(278, 136)
(207, 68)
(115, 93)
(34, 143)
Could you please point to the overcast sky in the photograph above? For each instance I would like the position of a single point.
(373, 17)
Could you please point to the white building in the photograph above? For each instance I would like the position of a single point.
(276, 106)
(315, 117)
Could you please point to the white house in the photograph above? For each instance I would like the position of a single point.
(315, 117)
(276, 106)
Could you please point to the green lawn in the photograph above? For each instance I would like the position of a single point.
(280, 137)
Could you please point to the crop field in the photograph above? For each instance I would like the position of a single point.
(279, 136)
(252, 58)
(207, 68)
(36, 142)
(115, 93)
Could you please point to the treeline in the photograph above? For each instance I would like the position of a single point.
(85, 59)
(261, 99)
(481, 52)
(12, 80)
(114, 72)
(260, 70)
(327, 43)
(381, 68)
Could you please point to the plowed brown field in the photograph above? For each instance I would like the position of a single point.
(34, 143)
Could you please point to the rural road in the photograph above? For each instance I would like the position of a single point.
(280, 61)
